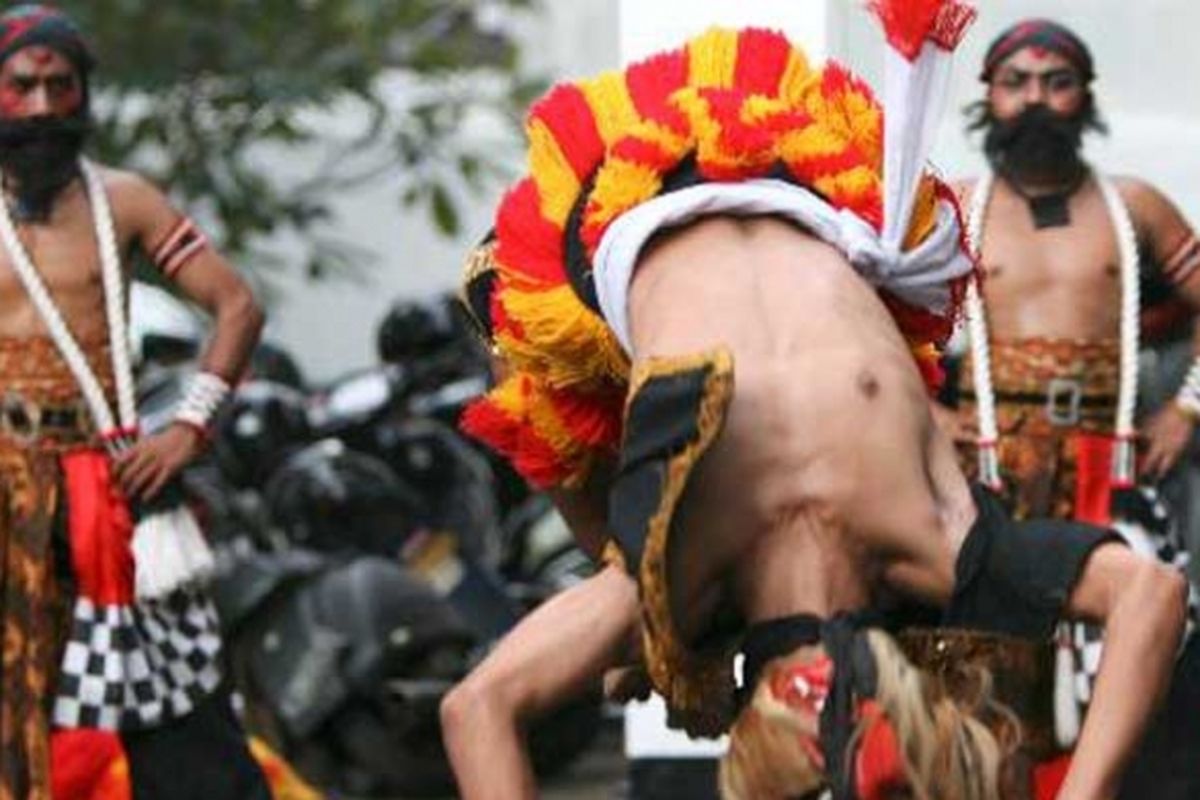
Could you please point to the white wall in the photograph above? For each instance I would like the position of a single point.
(1145, 57)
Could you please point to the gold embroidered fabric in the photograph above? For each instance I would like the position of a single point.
(1038, 459)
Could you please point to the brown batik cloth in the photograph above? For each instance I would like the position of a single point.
(1047, 391)
(35, 601)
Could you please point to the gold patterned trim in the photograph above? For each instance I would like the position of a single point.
(480, 261)
(698, 686)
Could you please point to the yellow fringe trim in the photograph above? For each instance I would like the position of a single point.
(556, 182)
(854, 182)
(564, 341)
(814, 141)
(712, 59)
(620, 185)
(608, 95)
(924, 217)
(798, 78)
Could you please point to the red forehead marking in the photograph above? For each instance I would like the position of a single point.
(41, 55)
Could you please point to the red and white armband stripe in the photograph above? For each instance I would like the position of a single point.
(181, 245)
(1184, 262)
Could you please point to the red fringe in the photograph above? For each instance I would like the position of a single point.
(86, 765)
(761, 61)
(917, 323)
(566, 112)
(640, 151)
(952, 24)
(932, 373)
(485, 421)
(651, 84)
(525, 240)
(908, 24)
(593, 419)
(515, 439)
(838, 79)
(958, 287)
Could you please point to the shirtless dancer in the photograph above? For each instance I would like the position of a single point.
(757, 518)
(106, 692)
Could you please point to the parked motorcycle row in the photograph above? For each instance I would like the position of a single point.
(368, 554)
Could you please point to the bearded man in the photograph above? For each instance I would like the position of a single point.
(111, 684)
(1049, 388)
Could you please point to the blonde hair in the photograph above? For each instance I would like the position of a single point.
(952, 748)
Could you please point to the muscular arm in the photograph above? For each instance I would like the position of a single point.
(1172, 242)
(206, 278)
(1142, 606)
(557, 652)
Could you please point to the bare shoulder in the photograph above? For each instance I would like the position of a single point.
(1146, 202)
(132, 194)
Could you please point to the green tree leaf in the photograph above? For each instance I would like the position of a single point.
(254, 114)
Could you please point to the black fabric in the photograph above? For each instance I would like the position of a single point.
(202, 756)
(662, 421)
(766, 641)
(1051, 210)
(578, 265)
(1153, 288)
(1166, 766)
(1015, 577)
(854, 677)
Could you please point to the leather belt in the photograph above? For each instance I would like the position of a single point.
(1063, 400)
(22, 419)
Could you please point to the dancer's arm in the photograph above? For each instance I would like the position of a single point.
(557, 652)
(1142, 606)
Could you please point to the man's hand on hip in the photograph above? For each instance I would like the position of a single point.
(144, 469)
(1165, 435)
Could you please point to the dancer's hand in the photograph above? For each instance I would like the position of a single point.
(144, 469)
(1165, 435)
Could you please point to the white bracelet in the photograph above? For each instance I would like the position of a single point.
(204, 395)
(1188, 398)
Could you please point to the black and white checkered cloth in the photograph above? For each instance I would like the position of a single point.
(1150, 530)
(136, 666)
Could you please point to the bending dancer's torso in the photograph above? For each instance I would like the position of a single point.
(829, 479)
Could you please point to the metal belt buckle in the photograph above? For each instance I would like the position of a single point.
(20, 419)
(1064, 397)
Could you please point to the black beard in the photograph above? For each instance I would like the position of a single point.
(39, 157)
(1037, 145)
